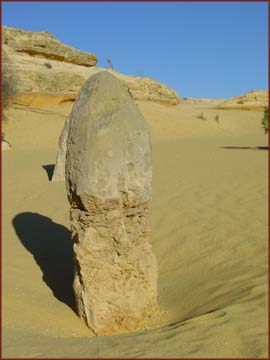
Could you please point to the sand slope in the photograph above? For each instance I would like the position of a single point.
(209, 232)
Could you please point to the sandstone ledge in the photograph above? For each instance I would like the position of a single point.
(47, 72)
(44, 44)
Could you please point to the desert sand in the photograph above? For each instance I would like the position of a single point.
(209, 233)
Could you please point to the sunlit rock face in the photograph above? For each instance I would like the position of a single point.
(108, 180)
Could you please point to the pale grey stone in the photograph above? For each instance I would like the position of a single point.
(108, 179)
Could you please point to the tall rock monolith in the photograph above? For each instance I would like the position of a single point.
(108, 180)
(59, 170)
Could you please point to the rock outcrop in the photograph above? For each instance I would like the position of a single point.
(51, 73)
(43, 44)
(253, 100)
(147, 89)
(108, 179)
(59, 170)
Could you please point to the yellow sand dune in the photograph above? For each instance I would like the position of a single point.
(209, 232)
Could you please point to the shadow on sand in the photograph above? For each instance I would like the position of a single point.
(49, 170)
(51, 246)
(245, 147)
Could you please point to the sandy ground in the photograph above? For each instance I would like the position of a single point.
(209, 232)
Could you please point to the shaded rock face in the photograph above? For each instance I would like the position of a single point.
(108, 179)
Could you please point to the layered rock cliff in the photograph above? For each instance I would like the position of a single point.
(49, 72)
(44, 45)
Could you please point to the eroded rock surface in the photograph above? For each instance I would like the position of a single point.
(50, 73)
(108, 179)
(59, 170)
(44, 44)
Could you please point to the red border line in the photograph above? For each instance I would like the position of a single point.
(140, 1)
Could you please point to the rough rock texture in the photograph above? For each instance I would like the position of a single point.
(253, 100)
(108, 179)
(138, 87)
(59, 170)
(148, 89)
(45, 45)
(51, 74)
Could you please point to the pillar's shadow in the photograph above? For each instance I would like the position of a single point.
(51, 246)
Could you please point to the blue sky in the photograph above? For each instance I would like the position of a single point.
(199, 49)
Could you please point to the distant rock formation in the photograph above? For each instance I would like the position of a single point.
(108, 179)
(253, 100)
(59, 170)
(45, 45)
(148, 89)
(51, 73)
(203, 101)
